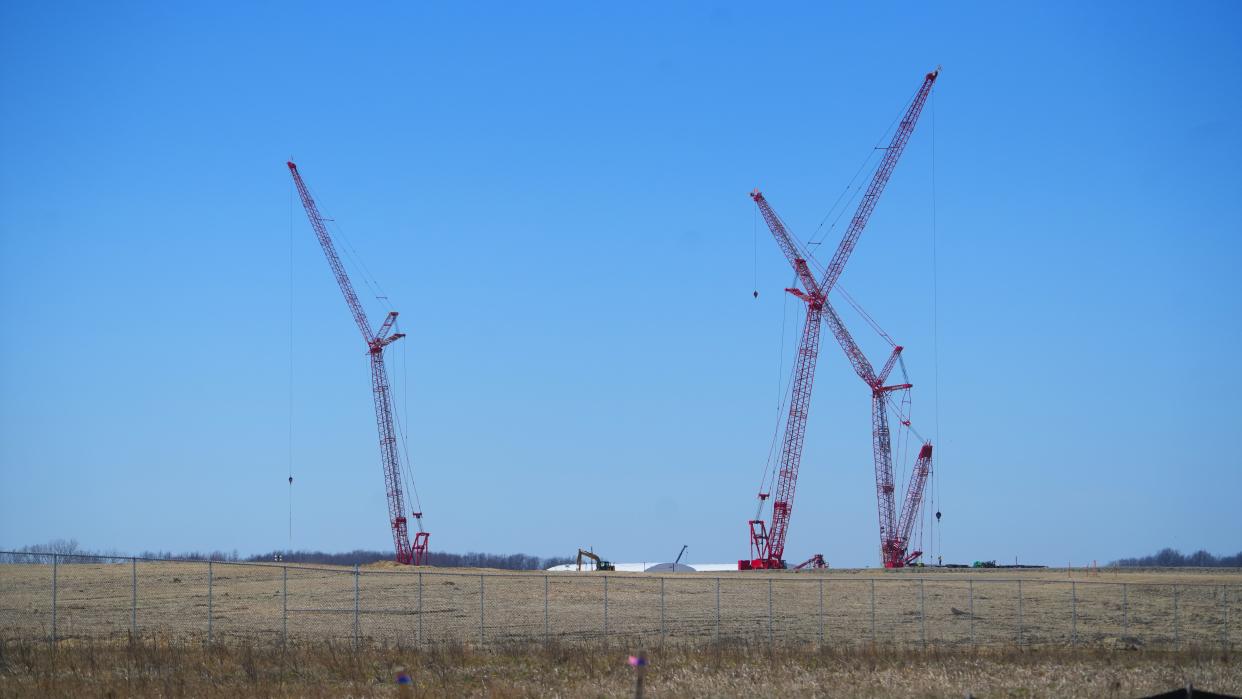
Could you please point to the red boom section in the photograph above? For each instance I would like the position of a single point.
(892, 543)
(771, 554)
(896, 551)
(865, 207)
(329, 251)
(767, 544)
(894, 537)
(406, 552)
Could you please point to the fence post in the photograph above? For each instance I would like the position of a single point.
(605, 610)
(133, 598)
(922, 614)
(545, 608)
(1224, 603)
(481, 641)
(54, 564)
(210, 599)
(662, 631)
(873, 638)
(1019, 612)
(821, 611)
(769, 611)
(1177, 632)
(1125, 611)
(284, 606)
(357, 604)
(970, 586)
(717, 610)
(1074, 613)
(420, 607)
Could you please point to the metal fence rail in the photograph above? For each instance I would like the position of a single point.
(50, 596)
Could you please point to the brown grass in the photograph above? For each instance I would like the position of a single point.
(248, 601)
(158, 668)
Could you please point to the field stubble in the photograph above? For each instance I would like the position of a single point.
(1146, 609)
(154, 668)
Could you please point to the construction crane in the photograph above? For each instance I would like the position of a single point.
(407, 552)
(894, 531)
(767, 542)
(894, 536)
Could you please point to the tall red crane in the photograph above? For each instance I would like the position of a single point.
(894, 531)
(407, 552)
(894, 535)
(767, 542)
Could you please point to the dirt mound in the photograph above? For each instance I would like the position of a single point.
(385, 565)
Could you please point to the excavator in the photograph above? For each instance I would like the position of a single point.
(600, 564)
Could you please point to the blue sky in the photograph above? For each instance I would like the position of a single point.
(555, 198)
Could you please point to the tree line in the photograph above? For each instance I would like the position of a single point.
(68, 551)
(1172, 558)
(512, 561)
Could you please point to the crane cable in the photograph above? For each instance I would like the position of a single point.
(865, 315)
(875, 149)
(407, 473)
(782, 398)
(403, 430)
(290, 435)
(354, 261)
(935, 331)
(755, 251)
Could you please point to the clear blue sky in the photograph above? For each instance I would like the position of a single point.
(555, 198)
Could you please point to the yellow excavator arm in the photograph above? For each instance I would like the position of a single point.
(600, 564)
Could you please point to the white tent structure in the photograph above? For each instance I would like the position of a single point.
(652, 567)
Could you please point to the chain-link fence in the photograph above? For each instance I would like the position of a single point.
(55, 597)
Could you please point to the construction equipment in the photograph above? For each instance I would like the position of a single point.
(600, 564)
(817, 561)
(407, 552)
(767, 543)
(894, 537)
(680, 553)
(895, 530)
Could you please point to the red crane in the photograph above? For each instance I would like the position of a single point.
(407, 552)
(767, 543)
(894, 534)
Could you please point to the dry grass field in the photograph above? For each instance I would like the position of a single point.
(139, 629)
(939, 608)
(329, 670)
